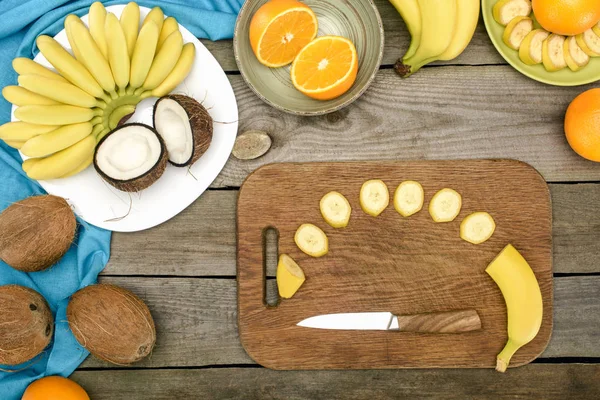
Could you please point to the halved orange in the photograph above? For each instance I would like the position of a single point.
(280, 29)
(325, 68)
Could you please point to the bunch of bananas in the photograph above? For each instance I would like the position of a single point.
(440, 30)
(115, 65)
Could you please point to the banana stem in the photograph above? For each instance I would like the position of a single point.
(505, 355)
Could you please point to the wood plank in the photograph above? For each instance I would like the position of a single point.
(196, 320)
(201, 240)
(439, 113)
(397, 39)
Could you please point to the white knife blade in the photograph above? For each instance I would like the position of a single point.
(380, 321)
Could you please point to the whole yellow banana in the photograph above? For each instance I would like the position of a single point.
(20, 96)
(411, 14)
(169, 26)
(521, 291)
(21, 131)
(62, 92)
(72, 18)
(156, 15)
(466, 22)
(97, 18)
(118, 114)
(54, 115)
(130, 22)
(143, 54)
(165, 61)
(13, 144)
(81, 167)
(57, 140)
(178, 74)
(25, 66)
(61, 163)
(118, 55)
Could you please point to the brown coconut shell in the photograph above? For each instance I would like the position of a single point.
(141, 182)
(112, 323)
(200, 121)
(26, 324)
(36, 232)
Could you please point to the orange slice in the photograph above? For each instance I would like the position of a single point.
(326, 68)
(280, 29)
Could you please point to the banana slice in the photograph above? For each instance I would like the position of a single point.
(311, 240)
(506, 10)
(289, 276)
(530, 51)
(374, 197)
(596, 29)
(445, 205)
(335, 209)
(575, 57)
(589, 42)
(516, 30)
(553, 54)
(408, 198)
(477, 227)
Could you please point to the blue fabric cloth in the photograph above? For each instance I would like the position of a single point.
(22, 22)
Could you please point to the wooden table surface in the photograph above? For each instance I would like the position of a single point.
(473, 107)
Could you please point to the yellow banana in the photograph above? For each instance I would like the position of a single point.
(130, 22)
(20, 96)
(92, 57)
(178, 74)
(61, 163)
(54, 115)
(521, 291)
(13, 144)
(72, 18)
(165, 61)
(466, 22)
(118, 114)
(81, 167)
(156, 15)
(62, 92)
(69, 67)
(143, 54)
(411, 14)
(19, 131)
(97, 18)
(169, 26)
(25, 66)
(118, 55)
(57, 140)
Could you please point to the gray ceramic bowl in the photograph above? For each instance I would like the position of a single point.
(357, 20)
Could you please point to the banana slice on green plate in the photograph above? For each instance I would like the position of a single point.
(505, 11)
(530, 51)
(553, 54)
(516, 31)
(589, 41)
(575, 57)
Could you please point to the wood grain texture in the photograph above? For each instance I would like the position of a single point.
(446, 322)
(400, 265)
(196, 321)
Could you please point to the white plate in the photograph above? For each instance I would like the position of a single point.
(98, 203)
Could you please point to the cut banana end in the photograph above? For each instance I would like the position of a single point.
(374, 197)
(311, 240)
(335, 209)
(505, 11)
(553, 54)
(530, 51)
(575, 57)
(516, 30)
(477, 227)
(289, 276)
(589, 43)
(408, 198)
(445, 205)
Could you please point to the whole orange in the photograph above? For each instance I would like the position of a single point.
(566, 17)
(55, 388)
(582, 125)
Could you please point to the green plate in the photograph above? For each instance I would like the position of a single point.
(564, 77)
(357, 20)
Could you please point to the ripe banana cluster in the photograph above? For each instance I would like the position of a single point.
(115, 64)
(440, 30)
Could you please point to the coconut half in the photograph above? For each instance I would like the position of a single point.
(131, 157)
(185, 126)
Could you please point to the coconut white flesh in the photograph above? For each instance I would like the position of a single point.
(173, 124)
(128, 153)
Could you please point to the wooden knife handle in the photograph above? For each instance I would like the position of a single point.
(440, 322)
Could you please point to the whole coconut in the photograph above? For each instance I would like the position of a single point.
(26, 324)
(112, 323)
(36, 232)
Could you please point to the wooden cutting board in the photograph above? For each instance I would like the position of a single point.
(389, 263)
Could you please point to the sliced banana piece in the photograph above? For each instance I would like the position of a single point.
(516, 30)
(478, 227)
(553, 54)
(575, 57)
(596, 29)
(289, 276)
(445, 205)
(408, 198)
(311, 240)
(374, 197)
(335, 209)
(530, 51)
(505, 11)
(589, 43)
